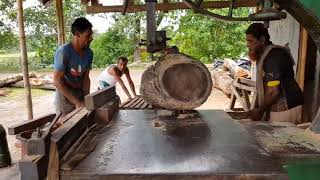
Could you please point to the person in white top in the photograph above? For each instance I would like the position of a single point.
(112, 74)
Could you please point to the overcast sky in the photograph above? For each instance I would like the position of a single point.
(100, 24)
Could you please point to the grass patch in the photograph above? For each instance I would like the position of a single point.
(11, 63)
(19, 93)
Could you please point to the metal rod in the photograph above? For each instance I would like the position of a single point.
(24, 58)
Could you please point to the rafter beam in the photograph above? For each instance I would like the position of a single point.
(169, 6)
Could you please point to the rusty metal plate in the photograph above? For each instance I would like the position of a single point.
(213, 145)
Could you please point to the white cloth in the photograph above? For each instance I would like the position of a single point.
(107, 77)
(292, 115)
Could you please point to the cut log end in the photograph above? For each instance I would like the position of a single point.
(185, 82)
(176, 82)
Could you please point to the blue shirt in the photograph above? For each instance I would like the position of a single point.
(72, 64)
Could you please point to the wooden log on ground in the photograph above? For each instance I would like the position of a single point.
(20, 84)
(13, 78)
(221, 80)
(235, 70)
(176, 81)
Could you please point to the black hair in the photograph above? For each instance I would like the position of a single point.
(175, 48)
(123, 58)
(258, 30)
(80, 25)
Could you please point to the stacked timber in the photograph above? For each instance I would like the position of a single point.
(225, 72)
(13, 78)
(221, 80)
(235, 70)
(36, 81)
(176, 81)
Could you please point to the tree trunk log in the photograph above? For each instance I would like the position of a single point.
(235, 70)
(13, 78)
(221, 80)
(176, 81)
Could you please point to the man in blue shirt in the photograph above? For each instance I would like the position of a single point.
(72, 63)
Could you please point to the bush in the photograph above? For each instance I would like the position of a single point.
(109, 46)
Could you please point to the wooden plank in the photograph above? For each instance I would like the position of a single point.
(82, 148)
(125, 103)
(33, 167)
(134, 105)
(70, 131)
(145, 105)
(247, 82)
(131, 102)
(169, 6)
(235, 92)
(233, 101)
(99, 98)
(246, 97)
(300, 76)
(253, 101)
(241, 86)
(54, 163)
(30, 125)
(140, 104)
(165, 2)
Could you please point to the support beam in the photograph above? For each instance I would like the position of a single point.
(125, 4)
(169, 6)
(302, 57)
(23, 50)
(166, 2)
(60, 22)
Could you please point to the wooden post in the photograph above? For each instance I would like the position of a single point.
(60, 22)
(302, 57)
(24, 59)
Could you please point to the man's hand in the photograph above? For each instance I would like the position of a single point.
(256, 114)
(80, 104)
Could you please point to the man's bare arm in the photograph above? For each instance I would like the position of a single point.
(86, 83)
(119, 80)
(130, 82)
(270, 97)
(63, 89)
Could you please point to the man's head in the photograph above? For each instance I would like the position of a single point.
(122, 63)
(258, 38)
(81, 29)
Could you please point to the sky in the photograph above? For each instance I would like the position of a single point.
(100, 24)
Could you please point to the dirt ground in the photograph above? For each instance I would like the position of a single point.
(14, 111)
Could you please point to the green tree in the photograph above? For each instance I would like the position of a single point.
(109, 46)
(41, 25)
(8, 40)
(207, 39)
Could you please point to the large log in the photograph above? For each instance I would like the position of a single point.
(221, 80)
(13, 78)
(176, 81)
(235, 70)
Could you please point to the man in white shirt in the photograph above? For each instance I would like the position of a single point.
(112, 74)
